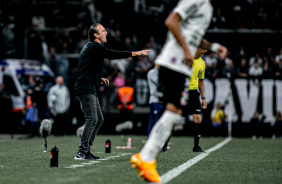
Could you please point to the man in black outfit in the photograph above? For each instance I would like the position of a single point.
(88, 83)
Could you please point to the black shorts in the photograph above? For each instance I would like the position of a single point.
(194, 104)
(171, 86)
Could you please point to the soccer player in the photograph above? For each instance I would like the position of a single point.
(187, 25)
(88, 82)
(194, 106)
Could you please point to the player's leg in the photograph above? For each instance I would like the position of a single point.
(173, 85)
(161, 132)
(145, 161)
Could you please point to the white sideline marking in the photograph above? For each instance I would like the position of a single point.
(124, 154)
(74, 166)
(94, 161)
(178, 170)
(87, 163)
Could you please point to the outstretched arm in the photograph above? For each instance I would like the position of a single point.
(172, 24)
(114, 54)
(141, 53)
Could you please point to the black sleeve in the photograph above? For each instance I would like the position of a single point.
(113, 54)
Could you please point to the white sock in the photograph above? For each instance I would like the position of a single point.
(159, 134)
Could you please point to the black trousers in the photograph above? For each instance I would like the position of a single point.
(94, 119)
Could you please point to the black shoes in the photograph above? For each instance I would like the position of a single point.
(197, 149)
(84, 156)
(93, 156)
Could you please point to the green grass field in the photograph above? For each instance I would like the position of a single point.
(22, 161)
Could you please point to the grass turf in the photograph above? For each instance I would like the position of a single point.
(240, 161)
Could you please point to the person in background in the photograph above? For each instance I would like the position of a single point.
(125, 97)
(256, 125)
(40, 99)
(243, 70)
(218, 120)
(31, 113)
(278, 57)
(268, 68)
(156, 107)
(278, 69)
(59, 103)
(255, 72)
(276, 126)
(257, 58)
(229, 70)
(6, 109)
(38, 21)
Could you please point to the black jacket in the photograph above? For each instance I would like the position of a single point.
(90, 67)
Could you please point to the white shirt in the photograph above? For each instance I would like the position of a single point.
(252, 60)
(278, 58)
(59, 98)
(210, 61)
(255, 71)
(195, 19)
(121, 64)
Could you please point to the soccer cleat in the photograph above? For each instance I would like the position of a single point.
(164, 149)
(197, 149)
(84, 156)
(146, 170)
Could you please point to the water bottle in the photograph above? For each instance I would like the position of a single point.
(129, 143)
(108, 146)
(54, 157)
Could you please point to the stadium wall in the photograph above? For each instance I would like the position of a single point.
(247, 96)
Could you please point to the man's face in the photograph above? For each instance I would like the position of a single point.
(102, 36)
(201, 52)
(60, 80)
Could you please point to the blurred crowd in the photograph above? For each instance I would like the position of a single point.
(54, 32)
(130, 23)
(52, 28)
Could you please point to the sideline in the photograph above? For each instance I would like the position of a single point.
(96, 161)
(167, 177)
